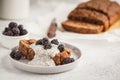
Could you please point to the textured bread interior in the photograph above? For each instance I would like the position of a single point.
(81, 27)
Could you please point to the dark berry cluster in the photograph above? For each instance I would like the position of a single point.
(16, 55)
(14, 29)
(68, 60)
(46, 43)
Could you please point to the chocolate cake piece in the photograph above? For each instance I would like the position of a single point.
(81, 27)
(88, 16)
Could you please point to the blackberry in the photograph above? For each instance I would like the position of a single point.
(47, 46)
(12, 25)
(61, 47)
(23, 32)
(16, 31)
(6, 29)
(20, 27)
(68, 60)
(17, 55)
(39, 42)
(55, 41)
(13, 53)
(16, 34)
(9, 33)
(45, 41)
(5, 33)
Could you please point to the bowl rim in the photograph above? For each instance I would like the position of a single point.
(22, 36)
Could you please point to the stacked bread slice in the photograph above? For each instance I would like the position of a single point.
(92, 17)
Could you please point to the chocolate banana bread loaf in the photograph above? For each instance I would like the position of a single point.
(109, 8)
(89, 16)
(94, 12)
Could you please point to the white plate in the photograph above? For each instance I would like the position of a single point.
(22, 64)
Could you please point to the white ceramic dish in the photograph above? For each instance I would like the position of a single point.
(11, 41)
(22, 64)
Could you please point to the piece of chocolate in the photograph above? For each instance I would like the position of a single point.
(52, 29)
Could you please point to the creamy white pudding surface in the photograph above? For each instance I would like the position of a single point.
(43, 57)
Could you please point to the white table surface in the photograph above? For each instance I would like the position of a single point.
(100, 58)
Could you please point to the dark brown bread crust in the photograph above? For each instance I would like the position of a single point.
(95, 5)
(114, 12)
(109, 8)
(89, 16)
(81, 27)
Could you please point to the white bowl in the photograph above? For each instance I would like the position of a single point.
(11, 41)
(22, 64)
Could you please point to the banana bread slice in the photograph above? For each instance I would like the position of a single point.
(109, 8)
(81, 27)
(89, 16)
